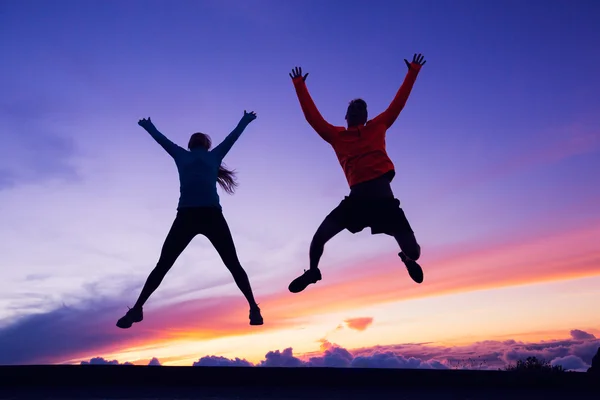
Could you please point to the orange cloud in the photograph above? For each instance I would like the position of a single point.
(359, 324)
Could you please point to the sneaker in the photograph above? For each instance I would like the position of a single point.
(255, 317)
(133, 315)
(414, 270)
(308, 277)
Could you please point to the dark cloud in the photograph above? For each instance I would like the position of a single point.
(65, 333)
(218, 361)
(571, 363)
(281, 359)
(391, 360)
(334, 356)
(581, 335)
(103, 361)
(154, 362)
(476, 356)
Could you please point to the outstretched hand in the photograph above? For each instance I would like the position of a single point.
(296, 72)
(417, 59)
(145, 123)
(249, 116)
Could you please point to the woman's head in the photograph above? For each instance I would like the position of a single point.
(225, 177)
(199, 140)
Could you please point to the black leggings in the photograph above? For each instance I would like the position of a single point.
(189, 222)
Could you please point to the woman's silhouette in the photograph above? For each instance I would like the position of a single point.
(198, 212)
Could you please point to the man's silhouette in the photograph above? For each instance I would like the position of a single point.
(360, 148)
(198, 212)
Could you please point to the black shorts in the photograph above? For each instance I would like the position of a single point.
(372, 204)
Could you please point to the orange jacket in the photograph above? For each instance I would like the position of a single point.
(360, 150)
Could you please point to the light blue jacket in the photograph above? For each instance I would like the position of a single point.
(198, 168)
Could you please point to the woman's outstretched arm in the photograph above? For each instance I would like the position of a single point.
(161, 139)
(223, 148)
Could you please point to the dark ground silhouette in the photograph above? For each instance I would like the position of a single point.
(220, 383)
(595, 368)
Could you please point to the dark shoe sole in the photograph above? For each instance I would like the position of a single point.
(300, 288)
(121, 325)
(414, 269)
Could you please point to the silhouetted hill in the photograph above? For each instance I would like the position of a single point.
(123, 381)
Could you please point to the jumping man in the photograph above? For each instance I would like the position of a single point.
(360, 149)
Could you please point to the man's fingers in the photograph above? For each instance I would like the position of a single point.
(305, 76)
(296, 72)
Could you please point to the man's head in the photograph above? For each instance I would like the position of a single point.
(199, 140)
(357, 113)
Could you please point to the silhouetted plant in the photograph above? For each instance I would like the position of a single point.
(469, 363)
(534, 364)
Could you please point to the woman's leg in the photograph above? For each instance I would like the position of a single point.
(219, 235)
(179, 237)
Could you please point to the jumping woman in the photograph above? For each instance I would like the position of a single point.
(199, 212)
(360, 149)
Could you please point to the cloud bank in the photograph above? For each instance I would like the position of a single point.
(574, 354)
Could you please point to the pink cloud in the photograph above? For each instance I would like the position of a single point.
(359, 324)
(572, 353)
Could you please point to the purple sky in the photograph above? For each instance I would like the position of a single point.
(500, 137)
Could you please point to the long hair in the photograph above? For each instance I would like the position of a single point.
(225, 178)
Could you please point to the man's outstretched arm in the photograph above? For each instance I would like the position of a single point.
(161, 139)
(223, 148)
(389, 116)
(311, 113)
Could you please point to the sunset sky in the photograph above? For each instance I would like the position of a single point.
(497, 156)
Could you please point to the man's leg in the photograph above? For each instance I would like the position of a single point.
(329, 228)
(178, 238)
(410, 250)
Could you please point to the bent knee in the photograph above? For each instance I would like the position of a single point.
(413, 252)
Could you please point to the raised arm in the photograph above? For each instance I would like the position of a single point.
(389, 116)
(311, 113)
(223, 148)
(161, 139)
